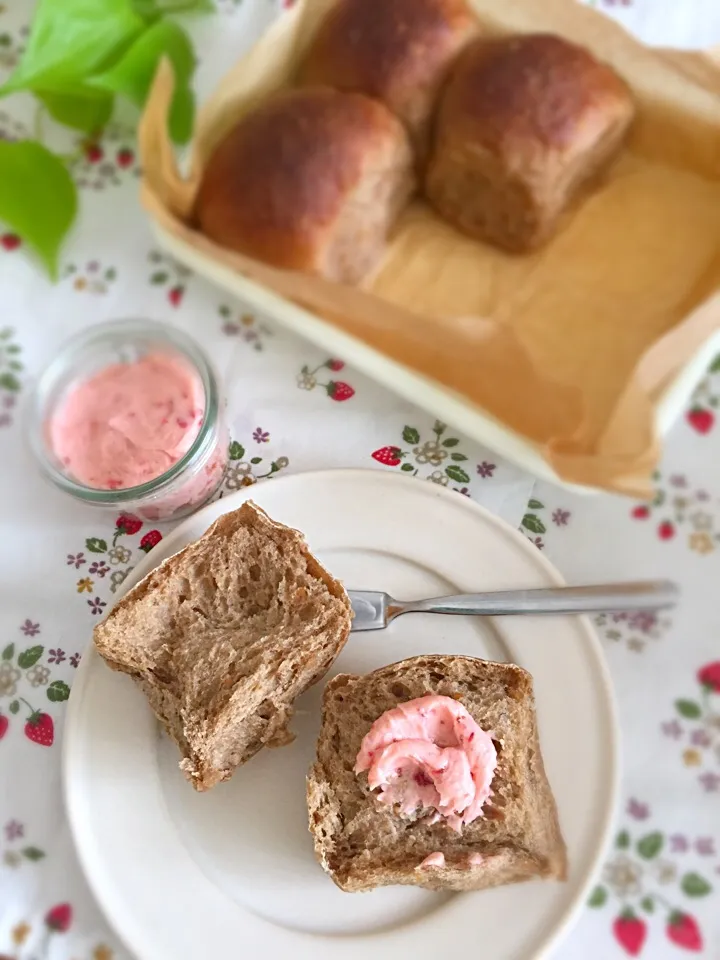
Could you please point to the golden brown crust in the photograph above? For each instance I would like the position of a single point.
(398, 51)
(538, 89)
(524, 122)
(277, 184)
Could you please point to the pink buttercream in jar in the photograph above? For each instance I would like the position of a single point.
(129, 416)
(430, 755)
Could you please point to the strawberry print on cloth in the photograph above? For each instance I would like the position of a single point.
(695, 728)
(436, 457)
(26, 680)
(337, 390)
(680, 509)
(651, 887)
(702, 415)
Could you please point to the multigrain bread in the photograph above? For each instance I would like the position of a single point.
(223, 636)
(397, 51)
(310, 180)
(523, 124)
(363, 844)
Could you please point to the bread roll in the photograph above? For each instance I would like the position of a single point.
(523, 123)
(397, 51)
(364, 844)
(311, 180)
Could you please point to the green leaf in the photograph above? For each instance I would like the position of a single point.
(256, 460)
(535, 505)
(411, 435)
(30, 657)
(457, 474)
(450, 442)
(37, 198)
(407, 467)
(32, 853)
(597, 897)
(688, 708)
(14, 706)
(159, 277)
(237, 451)
(458, 457)
(650, 845)
(96, 545)
(133, 74)
(622, 841)
(648, 904)
(8, 381)
(81, 107)
(695, 886)
(715, 365)
(9, 652)
(58, 691)
(533, 523)
(72, 39)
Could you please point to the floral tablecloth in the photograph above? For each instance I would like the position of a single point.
(294, 408)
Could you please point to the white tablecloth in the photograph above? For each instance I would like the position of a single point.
(60, 564)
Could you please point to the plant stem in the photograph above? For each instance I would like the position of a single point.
(38, 132)
(662, 901)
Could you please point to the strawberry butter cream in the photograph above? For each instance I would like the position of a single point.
(129, 422)
(429, 754)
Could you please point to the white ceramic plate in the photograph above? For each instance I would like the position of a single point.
(183, 875)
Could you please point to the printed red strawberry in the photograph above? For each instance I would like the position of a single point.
(59, 918)
(335, 365)
(94, 153)
(10, 241)
(709, 676)
(175, 296)
(128, 524)
(4, 724)
(125, 157)
(666, 530)
(389, 456)
(642, 512)
(630, 932)
(337, 390)
(150, 540)
(683, 930)
(40, 728)
(700, 419)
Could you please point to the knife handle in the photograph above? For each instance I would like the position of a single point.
(600, 598)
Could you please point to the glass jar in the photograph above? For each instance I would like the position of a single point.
(81, 375)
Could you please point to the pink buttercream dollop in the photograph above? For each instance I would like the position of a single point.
(436, 859)
(430, 754)
(129, 422)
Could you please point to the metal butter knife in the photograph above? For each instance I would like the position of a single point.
(374, 610)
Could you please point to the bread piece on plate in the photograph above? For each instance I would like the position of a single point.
(398, 51)
(363, 843)
(311, 180)
(223, 636)
(524, 122)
